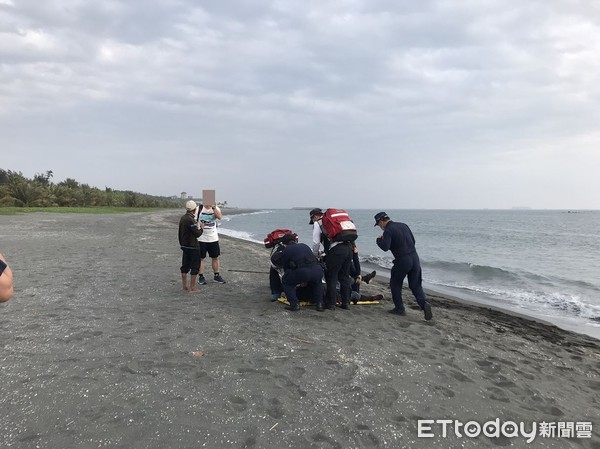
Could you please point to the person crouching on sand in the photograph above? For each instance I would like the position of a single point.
(189, 231)
(300, 266)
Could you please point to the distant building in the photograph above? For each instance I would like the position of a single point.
(183, 195)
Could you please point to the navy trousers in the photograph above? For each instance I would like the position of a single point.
(311, 275)
(337, 269)
(404, 266)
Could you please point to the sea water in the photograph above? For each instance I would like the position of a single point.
(541, 263)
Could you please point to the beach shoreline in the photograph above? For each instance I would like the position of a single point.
(101, 348)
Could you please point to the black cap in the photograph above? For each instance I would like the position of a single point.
(315, 211)
(380, 216)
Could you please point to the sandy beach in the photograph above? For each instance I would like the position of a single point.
(101, 348)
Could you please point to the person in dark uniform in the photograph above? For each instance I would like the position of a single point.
(338, 259)
(398, 238)
(300, 267)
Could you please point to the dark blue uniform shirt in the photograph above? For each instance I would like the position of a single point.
(398, 238)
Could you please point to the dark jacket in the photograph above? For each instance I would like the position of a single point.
(188, 231)
(398, 238)
(293, 256)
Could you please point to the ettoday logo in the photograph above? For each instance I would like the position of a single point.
(427, 428)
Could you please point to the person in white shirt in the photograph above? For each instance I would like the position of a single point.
(209, 241)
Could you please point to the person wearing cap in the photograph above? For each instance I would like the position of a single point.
(300, 266)
(6, 281)
(189, 231)
(398, 238)
(338, 259)
(317, 236)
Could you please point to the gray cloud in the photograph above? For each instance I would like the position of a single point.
(438, 104)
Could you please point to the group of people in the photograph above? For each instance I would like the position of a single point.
(302, 266)
(198, 237)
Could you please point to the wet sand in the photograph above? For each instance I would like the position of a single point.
(101, 348)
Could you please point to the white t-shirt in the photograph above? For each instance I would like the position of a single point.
(208, 218)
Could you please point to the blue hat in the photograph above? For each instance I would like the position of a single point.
(380, 216)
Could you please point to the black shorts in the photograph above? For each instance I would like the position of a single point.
(190, 261)
(212, 248)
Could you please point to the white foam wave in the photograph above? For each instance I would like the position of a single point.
(554, 303)
(239, 235)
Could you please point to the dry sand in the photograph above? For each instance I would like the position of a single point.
(101, 348)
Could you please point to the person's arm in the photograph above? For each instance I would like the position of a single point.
(384, 241)
(316, 239)
(277, 258)
(6, 281)
(218, 212)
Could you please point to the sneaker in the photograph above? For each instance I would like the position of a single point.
(397, 312)
(293, 308)
(275, 296)
(201, 279)
(320, 307)
(428, 314)
(366, 279)
(345, 306)
(219, 279)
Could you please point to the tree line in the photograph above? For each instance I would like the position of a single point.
(18, 191)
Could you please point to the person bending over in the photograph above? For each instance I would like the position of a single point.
(300, 267)
(398, 238)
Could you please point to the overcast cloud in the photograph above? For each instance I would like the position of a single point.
(345, 103)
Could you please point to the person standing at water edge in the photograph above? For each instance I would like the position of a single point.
(188, 240)
(398, 238)
(6, 281)
(209, 241)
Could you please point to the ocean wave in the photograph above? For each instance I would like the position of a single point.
(483, 272)
(553, 303)
(524, 290)
(239, 235)
(226, 218)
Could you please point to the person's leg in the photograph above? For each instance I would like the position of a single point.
(214, 251)
(344, 274)
(195, 267)
(185, 267)
(275, 284)
(333, 264)
(290, 294)
(203, 252)
(415, 283)
(184, 281)
(289, 281)
(314, 286)
(397, 276)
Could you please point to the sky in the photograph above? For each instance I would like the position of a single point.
(379, 104)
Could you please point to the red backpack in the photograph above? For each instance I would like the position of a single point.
(338, 226)
(273, 238)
